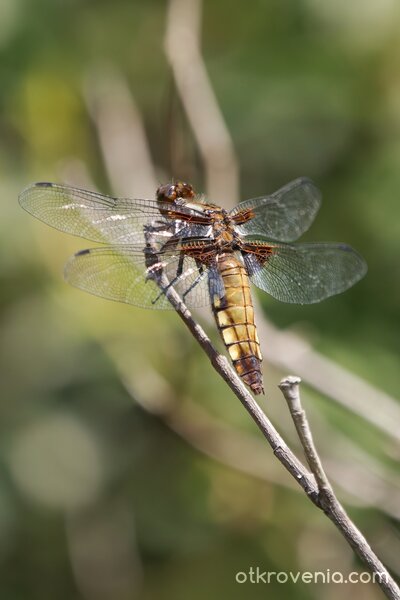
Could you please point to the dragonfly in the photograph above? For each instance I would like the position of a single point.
(179, 241)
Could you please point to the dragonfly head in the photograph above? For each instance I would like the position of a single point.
(172, 191)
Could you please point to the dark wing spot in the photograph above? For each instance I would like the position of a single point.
(82, 252)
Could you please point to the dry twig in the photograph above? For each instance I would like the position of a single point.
(315, 484)
(327, 500)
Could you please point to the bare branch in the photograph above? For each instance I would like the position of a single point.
(327, 500)
(321, 495)
(290, 389)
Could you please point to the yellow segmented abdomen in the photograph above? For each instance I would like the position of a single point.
(234, 315)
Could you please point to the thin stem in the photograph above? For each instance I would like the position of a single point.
(314, 484)
(290, 387)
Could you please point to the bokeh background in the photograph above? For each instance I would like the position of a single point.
(127, 469)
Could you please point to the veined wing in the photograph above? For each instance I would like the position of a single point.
(303, 273)
(284, 215)
(125, 274)
(106, 219)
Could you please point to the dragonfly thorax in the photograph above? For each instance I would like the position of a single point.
(223, 231)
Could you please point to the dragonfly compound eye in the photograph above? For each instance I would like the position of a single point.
(166, 193)
(184, 190)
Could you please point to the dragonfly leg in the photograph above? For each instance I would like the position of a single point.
(178, 275)
(195, 282)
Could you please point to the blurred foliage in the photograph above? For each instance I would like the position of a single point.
(98, 498)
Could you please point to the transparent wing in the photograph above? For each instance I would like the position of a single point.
(105, 219)
(304, 273)
(124, 274)
(283, 216)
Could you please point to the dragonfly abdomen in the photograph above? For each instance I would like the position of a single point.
(234, 315)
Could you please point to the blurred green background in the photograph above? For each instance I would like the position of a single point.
(128, 470)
